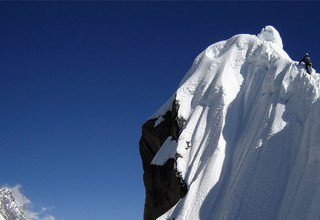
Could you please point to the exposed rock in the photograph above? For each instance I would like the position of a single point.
(164, 185)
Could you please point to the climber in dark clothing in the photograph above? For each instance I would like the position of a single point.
(307, 62)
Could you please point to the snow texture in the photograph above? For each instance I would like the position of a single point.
(167, 150)
(250, 146)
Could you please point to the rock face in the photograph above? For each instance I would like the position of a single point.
(164, 185)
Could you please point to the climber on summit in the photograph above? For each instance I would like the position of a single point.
(307, 62)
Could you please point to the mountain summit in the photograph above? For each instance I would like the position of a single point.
(239, 139)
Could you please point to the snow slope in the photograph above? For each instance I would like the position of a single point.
(250, 146)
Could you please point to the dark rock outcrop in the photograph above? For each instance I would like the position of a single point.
(164, 185)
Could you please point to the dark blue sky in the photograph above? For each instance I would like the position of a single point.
(77, 80)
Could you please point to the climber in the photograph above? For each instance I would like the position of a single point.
(307, 62)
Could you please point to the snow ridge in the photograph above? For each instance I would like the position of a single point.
(250, 145)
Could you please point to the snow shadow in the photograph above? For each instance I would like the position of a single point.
(255, 178)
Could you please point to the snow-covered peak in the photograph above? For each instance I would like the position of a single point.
(15, 206)
(249, 147)
(270, 34)
(10, 208)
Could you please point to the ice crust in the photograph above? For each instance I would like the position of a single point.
(250, 144)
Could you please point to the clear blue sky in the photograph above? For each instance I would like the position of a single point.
(78, 79)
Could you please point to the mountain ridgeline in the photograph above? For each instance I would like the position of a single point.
(239, 139)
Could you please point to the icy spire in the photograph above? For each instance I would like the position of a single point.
(269, 33)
